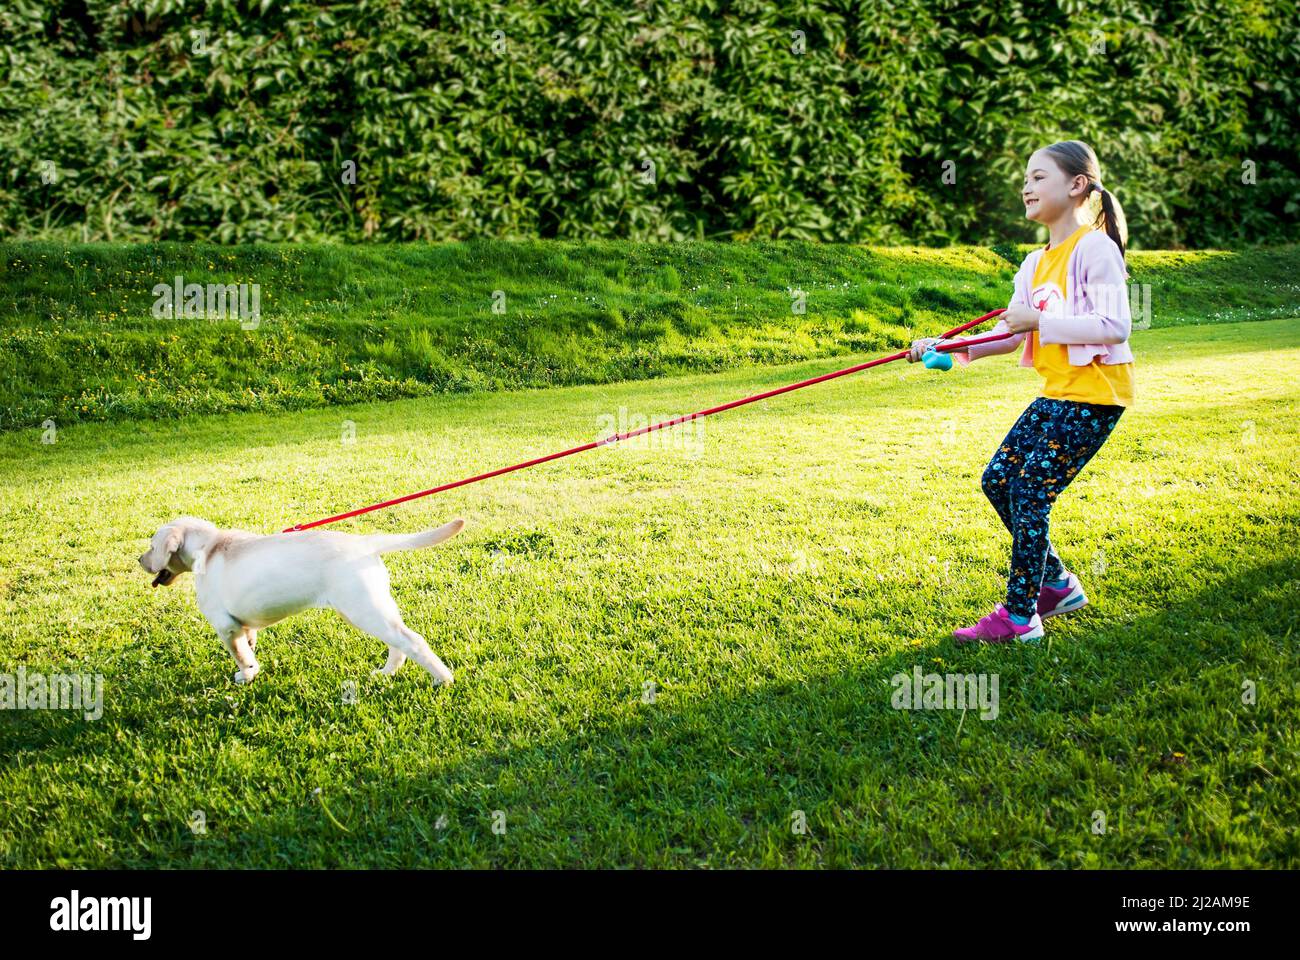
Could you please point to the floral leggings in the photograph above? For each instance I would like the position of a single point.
(1044, 451)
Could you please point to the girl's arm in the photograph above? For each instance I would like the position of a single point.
(965, 357)
(1104, 283)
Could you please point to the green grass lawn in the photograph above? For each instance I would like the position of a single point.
(79, 342)
(768, 579)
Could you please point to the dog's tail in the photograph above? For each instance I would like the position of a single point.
(392, 542)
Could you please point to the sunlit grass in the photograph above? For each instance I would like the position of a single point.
(764, 586)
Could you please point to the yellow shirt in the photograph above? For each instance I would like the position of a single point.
(1095, 383)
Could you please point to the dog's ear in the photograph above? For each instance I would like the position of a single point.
(175, 537)
(161, 556)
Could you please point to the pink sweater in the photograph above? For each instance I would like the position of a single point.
(1095, 318)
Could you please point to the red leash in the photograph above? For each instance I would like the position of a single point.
(667, 423)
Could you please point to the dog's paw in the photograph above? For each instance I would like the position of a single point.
(246, 676)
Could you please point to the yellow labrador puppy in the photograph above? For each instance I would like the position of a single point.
(245, 581)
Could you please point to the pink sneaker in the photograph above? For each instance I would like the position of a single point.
(1068, 599)
(998, 627)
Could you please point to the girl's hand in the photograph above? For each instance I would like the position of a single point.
(919, 347)
(1021, 319)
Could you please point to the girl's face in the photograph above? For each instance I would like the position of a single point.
(1048, 193)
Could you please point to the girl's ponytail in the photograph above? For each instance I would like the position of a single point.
(1111, 218)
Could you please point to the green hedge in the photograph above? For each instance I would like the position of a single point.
(232, 120)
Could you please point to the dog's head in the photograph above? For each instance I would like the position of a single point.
(171, 551)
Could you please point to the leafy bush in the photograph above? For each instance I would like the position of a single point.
(243, 120)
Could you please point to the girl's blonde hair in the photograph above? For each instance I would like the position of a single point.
(1075, 157)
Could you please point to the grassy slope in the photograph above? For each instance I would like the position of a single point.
(347, 324)
(824, 541)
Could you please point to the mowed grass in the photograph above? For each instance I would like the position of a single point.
(768, 583)
(79, 340)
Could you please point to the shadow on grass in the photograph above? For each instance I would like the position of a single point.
(717, 780)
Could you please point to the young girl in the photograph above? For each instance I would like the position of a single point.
(1070, 309)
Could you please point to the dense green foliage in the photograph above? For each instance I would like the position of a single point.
(79, 341)
(233, 120)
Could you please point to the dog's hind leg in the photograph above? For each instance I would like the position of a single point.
(395, 660)
(374, 612)
(418, 650)
(403, 642)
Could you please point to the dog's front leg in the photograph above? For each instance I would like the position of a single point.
(237, 641)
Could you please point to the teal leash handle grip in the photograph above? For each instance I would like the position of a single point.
(939, 356)
(934, 360)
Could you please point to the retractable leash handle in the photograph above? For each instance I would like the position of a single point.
(890, 358)
(937, 358)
